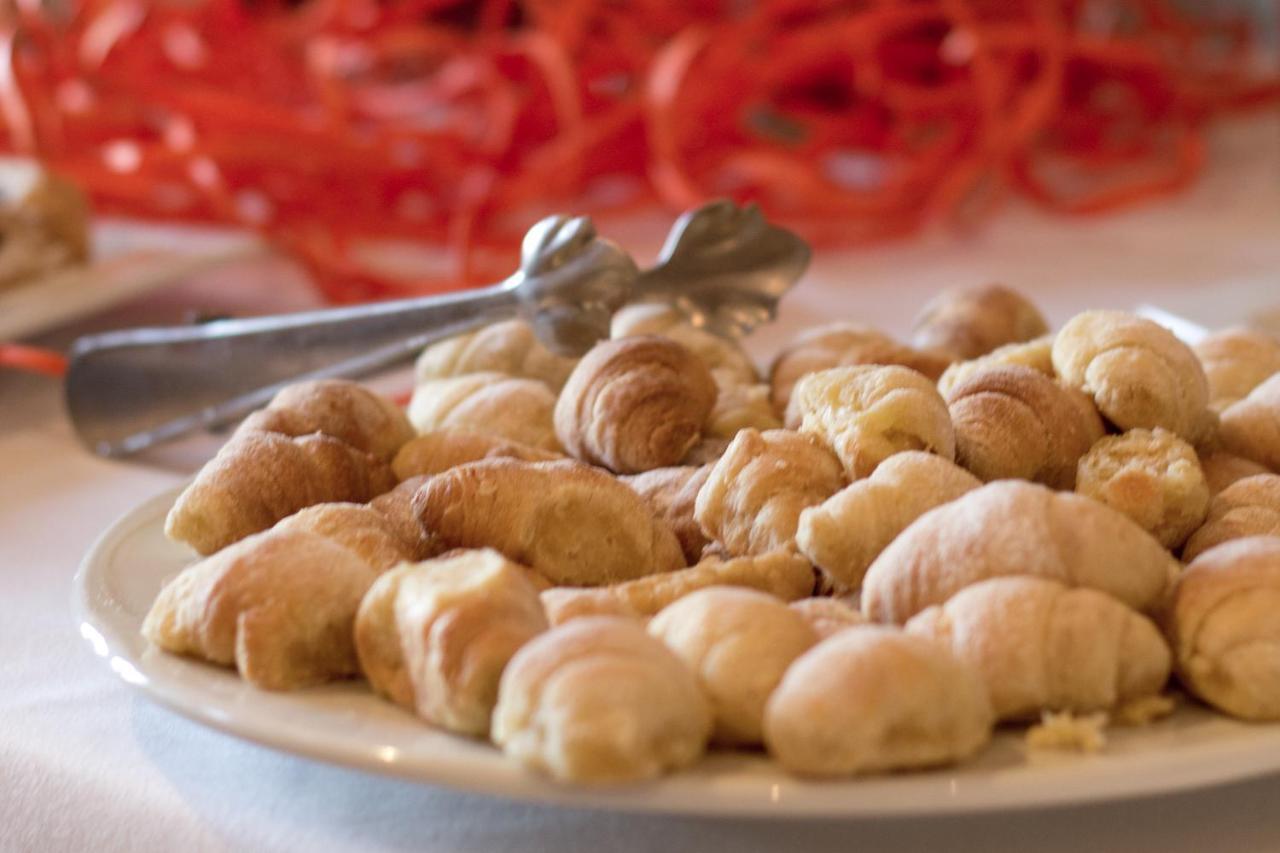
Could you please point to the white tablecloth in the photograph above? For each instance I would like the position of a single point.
(85, 764)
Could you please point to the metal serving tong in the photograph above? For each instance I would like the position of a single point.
(722, 265)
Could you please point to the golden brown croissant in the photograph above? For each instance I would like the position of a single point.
(868, 413)
(1015, 423)
(442, 449)
(279, 606)
(875, 699)
(841, 345)
(1235, 362)
(1035, 354)
(752, 499)
(574, 524)
(724, 358)
(1248, 507)
(356, 527)
(1153, 477)
(844, 534)
(509, 347)
(740, 407)
(1139, 375)
(258, 478)
(784, 576)
(828, 616)
(345, 410)
(1040, 645)
(1223, 628)
(396, 506)
(1251, 427)
(599, 700)
(495, 404)
(738, 642)
(970, 322)
(671, 494)
(435, 636)
(1016, 528)
(635, 404)
(1221, 469)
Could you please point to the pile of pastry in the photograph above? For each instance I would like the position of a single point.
(863, 561)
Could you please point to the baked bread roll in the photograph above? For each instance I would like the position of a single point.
(1224, 631)
(724, 358)
(1139, 375)
(356, 527)
(279, 606)
(1221, 469)
(846, 532)
(509, 347)
(1235, 362)
(1040, 645)
(1016, 423)
(740, 407)
(258, 478)
(1016, 528)
(870, 412)
(434, 637)
(635, 404)
(842, 345)
(876, 699)
(753, 497)
(671, 494)
(575, 525)
(1035, 354)
(970, 322)
(1248, 507)
(345, 410)
(440, 450)
(1251, 427)
(738, 642)
(1153, 477)
(519, 410)
(782, 575)
(396, 506)
(828, 616)
(597, 701)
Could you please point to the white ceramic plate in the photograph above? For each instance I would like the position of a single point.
(346, 724)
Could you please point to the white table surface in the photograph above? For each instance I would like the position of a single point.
(87, 765)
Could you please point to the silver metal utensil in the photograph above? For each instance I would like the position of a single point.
(725, 266)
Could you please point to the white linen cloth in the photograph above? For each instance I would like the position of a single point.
(86, 764)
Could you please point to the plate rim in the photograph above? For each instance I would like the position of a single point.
(1198, 765)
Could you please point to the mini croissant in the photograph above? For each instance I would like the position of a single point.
(358, 528)
(867, 413)
(279, 606)
(572, 523)
(509, 347)
(782, 575)
(1016, 528)
(846, 532)
(1221, 469)
(1248, 507)
(1251, 427)
(509, 407)
(740, 407)
(841, 345)
(440, 450)
(1035, 354)
(752, 499)
(258, 478)
(1016, 423)
(1236, 361)
(435, 636)
(1139, 375)
(1040, 645)
(828, 616)
(396, 506)
(971, 322)
(671, 493)
(724, 358)
(635, 404)
(336, 407)
(597, 701)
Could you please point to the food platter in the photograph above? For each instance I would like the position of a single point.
(346, 724)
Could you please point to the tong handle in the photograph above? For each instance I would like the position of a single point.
(131, 389)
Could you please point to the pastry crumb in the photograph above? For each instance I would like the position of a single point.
(1066, 731)
(1146, 710)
